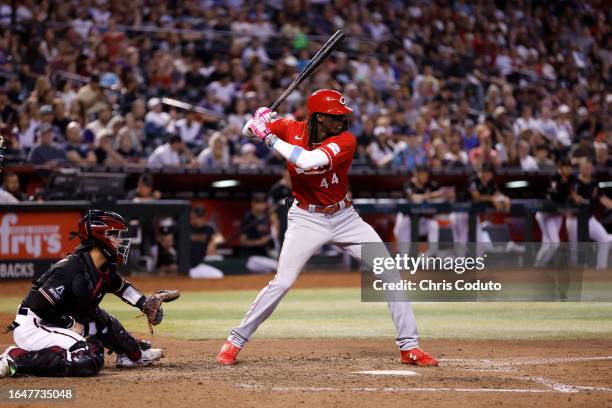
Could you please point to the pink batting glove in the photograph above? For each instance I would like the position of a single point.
(259, 127)
(264, 113)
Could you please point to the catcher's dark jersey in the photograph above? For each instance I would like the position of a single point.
(412, 188)
(559, 190)
(73, 288)
(588, 191)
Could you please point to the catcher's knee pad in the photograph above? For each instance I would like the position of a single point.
(115, 338)
(86, 358)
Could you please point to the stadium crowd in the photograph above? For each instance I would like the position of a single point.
(443, 84)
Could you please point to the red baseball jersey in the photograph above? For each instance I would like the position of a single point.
(322, 185)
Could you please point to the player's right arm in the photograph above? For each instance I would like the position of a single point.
(303, 159)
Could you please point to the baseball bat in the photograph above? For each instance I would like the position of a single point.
(187, 106)
(312, 65)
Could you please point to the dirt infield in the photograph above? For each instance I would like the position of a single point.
(280, 373)
(275, 373)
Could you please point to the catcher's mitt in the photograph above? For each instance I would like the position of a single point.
(152, 307)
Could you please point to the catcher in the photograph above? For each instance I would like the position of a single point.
(60, 330)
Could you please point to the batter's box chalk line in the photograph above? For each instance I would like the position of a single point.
(501, 365)
(387, 372)
(385, 389)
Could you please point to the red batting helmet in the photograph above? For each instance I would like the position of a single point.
(327, 101)
(106, 230)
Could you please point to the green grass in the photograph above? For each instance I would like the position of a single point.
(338, 313)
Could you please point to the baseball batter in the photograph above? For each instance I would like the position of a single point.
(319, 153)
(60, 329)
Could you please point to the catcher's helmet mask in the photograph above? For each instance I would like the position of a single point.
(107, 231)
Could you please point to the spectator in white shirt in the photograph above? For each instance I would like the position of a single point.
(528, 162)
(224, 89)
(156, 116)
(525, 122)
(101, 123)
(168, 154)
(216, 155)
(377, 29)
(563, 124)
(188, 128)
(546, 125)
(381, 150)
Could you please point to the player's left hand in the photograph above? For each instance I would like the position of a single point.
(152, 307)
(264, 113)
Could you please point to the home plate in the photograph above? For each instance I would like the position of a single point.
(387, 372)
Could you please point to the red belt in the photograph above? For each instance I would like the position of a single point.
(327, 210)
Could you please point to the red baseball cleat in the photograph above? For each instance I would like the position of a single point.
(418, 357)
(228, 353)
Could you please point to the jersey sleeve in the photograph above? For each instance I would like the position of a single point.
(44, 302)
(339, 149)
(279, 128)
(123, 289)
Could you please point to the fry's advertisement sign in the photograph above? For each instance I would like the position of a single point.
(30, 242)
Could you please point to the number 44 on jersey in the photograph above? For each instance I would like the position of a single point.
(334, 180)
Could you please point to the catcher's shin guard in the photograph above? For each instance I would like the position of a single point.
(116, 338)
(82, 360)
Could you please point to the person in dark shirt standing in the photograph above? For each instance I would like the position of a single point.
(559, 192)
(481, 188)
(585, 190)
(256, 237)
(420, 190)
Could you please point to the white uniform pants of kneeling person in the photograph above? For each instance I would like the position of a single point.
(306, 233)
(32, 334)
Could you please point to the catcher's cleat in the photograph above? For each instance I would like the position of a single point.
(228, 354)
(418, 357)
(7, 366)
(148, 356)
